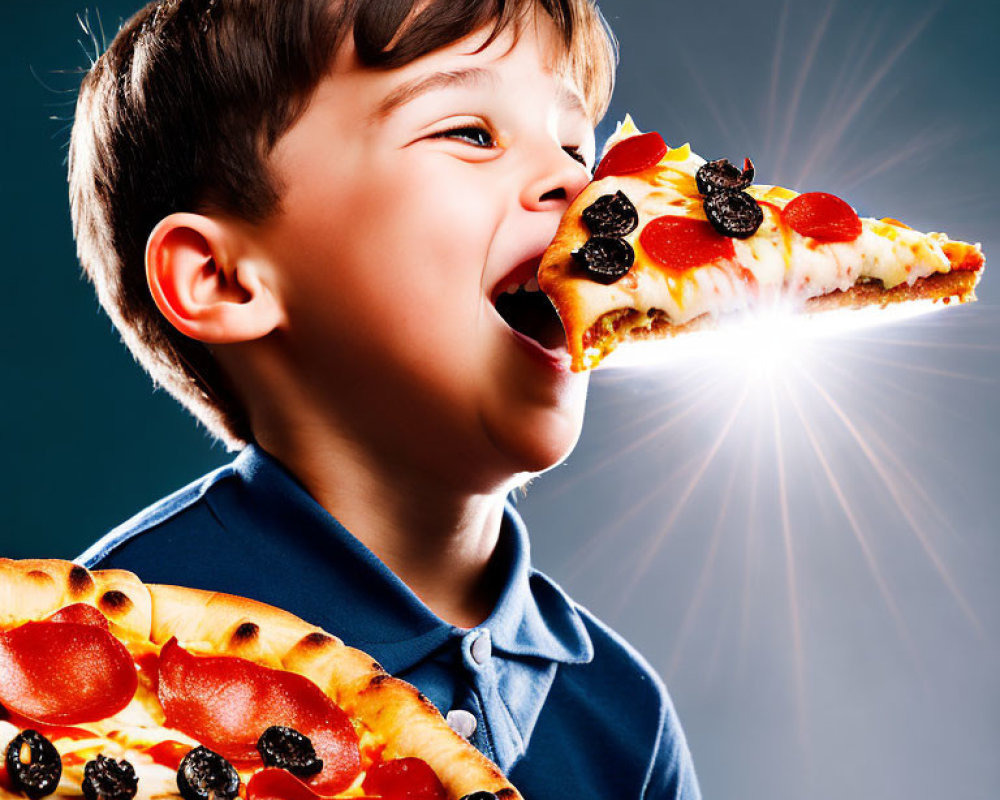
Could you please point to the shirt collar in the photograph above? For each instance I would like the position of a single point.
(533, 617)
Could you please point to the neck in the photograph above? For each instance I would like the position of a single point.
(439, 540)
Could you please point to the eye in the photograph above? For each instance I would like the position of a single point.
(576, 155)
(473, 134)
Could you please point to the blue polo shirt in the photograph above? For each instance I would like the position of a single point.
(557, 699)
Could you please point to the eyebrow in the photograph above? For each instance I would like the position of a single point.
(566, 97)
(454, 79)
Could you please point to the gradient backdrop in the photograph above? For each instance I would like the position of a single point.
(806, 551)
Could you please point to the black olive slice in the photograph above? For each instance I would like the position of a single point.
(286, 748)
(107, 779)
(605, 259)
(734, 214)
(205, 775)
(611, 215)
(33, 764)
(720, 174)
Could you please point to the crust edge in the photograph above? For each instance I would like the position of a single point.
(628, 325)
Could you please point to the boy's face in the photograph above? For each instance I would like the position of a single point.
(410, 198)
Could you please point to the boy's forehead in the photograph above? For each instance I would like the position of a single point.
(464, 64)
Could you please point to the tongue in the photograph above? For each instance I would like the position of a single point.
(532, 314)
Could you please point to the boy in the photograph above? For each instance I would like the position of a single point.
(300, 215)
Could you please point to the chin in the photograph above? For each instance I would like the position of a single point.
(539, 439)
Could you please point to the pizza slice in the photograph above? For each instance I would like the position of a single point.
(112, 689)
(661, 242)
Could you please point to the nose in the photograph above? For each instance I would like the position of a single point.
(557, 180)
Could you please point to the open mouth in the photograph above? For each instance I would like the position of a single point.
(526, 309)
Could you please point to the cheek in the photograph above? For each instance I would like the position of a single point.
(406, 244)
(428, 228)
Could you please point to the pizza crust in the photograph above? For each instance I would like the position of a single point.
(625, 324)
(221, 624)
(33, 589)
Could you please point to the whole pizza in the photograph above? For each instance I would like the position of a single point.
(111, 688)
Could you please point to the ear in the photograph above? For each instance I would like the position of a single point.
(202, 285)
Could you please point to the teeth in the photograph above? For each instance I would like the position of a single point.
(530, 286)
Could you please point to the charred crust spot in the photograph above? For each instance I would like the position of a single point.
(378, 680)
(115, 601)
(377, 667)
(421, 697)
(245, 632)
(80, 580)
(38, 575)
(317, 639)
(505, 794)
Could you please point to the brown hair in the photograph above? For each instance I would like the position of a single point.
(182, 110)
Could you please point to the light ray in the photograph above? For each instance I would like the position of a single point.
(901, 504)
(793, 594)
(602, 464)
(583, 557)
(793, 106)
(701, 587)
(935, 371)
(654, 543)
(779, 45)
(750, 552)
(921, 144)
(854, 525)
(829, 139)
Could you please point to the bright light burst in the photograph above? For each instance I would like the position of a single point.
(779, 415)
(763, 341)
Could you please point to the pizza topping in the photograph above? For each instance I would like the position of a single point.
(64, 672)
(107, 779)
(732, 213)
(404, 779)
(720, 174)
(682, 243)
(225, 702)
(169, 753)
(605, 259)
(82, 614)
(611, 215)
(204, 775)
(480, 796)
(33, 764)
(824, 217)
(633, 154)
(286, 748)
(277, 784)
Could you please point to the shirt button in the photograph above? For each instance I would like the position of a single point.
(481, 648)
(462, 722)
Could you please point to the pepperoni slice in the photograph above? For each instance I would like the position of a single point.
(64, 672)
(824, 217)
(82, 614)
(279, 784)
(681, 243)
(632, 155)
(227, 702)
(404, 779)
